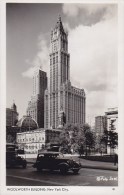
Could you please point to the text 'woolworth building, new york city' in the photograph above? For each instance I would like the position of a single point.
(63, 103)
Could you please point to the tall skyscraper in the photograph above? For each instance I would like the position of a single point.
(63, 102)
(36, 105)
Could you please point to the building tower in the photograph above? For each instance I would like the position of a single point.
(61, 97)
(36, 105)
(59, 57)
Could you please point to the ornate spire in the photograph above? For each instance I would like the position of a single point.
(59, 24)
(59, 19)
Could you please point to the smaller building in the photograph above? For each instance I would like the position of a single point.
(100, 128)
(107, 124)
(32, 141)
(26, 123)
(100, 124)
(112, 119)
(112, 126)
(11, 116)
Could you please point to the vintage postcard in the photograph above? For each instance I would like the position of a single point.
(62, 97)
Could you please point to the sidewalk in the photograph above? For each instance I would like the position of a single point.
(86, 163)
(95, 164)
(98, 165)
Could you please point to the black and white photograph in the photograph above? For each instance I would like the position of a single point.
(62, 102)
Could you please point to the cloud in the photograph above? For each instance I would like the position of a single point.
(89, 14)
(93, 49)
(41, 59)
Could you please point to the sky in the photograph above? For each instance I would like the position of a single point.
(93, 45)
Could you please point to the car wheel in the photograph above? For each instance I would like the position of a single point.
(63, 170)
(39, 168)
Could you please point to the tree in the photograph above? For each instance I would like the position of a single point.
(64, 141)
(110, 138)
(10, 139)
(77, 138)
(90, 140)
(70, 138)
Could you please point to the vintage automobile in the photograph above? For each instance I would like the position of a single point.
(56, 161)
(12, 157)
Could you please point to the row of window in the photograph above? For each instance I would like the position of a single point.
(64, 45)
(34, 147)
(53, 60)
(30, 139)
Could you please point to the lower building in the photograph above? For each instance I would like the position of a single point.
(11, 116)
(107, 124)
(112, 125)
(100, 128)
(32, 141)
(11, 134)
(26, 123)
(100, 124)
(67, 105)
(112, 119)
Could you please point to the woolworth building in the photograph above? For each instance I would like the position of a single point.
(63, 102)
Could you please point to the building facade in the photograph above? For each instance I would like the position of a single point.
(36, 104)
(63, 102)
(100, 125)
(26, 123)
(112, 119)
(11, 116)
(108, 124)
(112, 126)
(31, 141)
(99, 130)
(38, 139)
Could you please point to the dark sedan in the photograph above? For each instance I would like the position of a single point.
(56, 161)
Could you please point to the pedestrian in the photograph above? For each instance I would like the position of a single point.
(115, 159)
(72, 150)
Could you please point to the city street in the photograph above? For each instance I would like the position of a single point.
(86, 177)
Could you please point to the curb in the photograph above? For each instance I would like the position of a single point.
(100, 167)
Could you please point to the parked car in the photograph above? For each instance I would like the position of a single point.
(56, 161)
(12, 158)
